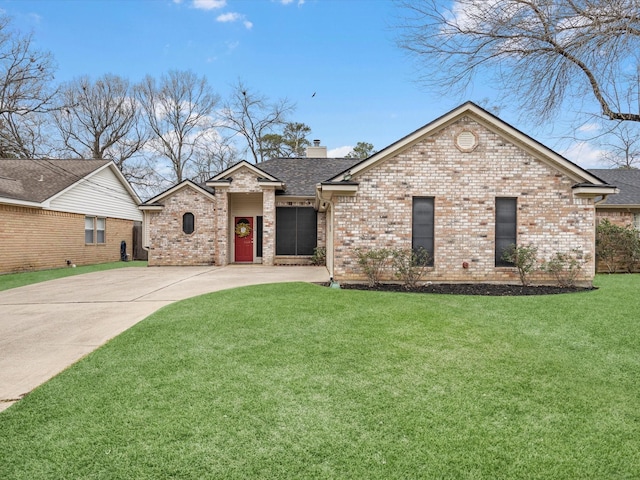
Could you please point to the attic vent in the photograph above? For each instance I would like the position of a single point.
(466, 141)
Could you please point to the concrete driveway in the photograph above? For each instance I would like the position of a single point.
(46, 327)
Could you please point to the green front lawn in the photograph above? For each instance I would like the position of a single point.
(13, 280)
(300, 381)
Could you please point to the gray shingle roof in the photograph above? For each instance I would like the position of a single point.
(301, 175)
(37, 180)
(627, 181)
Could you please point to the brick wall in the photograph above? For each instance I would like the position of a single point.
(617, 217)
(34, 239)
(464, 185)
(169, 245)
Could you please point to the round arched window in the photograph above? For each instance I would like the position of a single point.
(188, 223)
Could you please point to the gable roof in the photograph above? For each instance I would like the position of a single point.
(154, 202)
(301, 175)
(222, 177)
(628, 182)
(491, 122)
(36, 182)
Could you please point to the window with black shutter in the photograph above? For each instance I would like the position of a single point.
(296, 230)
(506, 227)
(422, 225)
(188, 223)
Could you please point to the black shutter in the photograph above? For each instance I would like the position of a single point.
(506, 228)
(285, 231)
(296, 230)
(259, 236)
(422, 225)
(307, 231)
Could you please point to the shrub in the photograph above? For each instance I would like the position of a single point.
(616, 245)
(524, 258)
(629, 248)
(373, 263)
(319, 256)
(409, 264)
(566, 267)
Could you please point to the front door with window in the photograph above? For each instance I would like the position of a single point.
(243, 239)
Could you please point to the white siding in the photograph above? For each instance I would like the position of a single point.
(101, 195)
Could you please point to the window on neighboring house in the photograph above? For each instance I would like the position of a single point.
(100, 230)
(95, 230)
(422, 225)
(296, 230)
(188, 223)
(89, 224)
(636, 221)
(506, 228)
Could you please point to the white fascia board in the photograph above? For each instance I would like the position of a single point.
(594, 191)
(336, 187)
(151, 208)
(277, 184)
(22, 203)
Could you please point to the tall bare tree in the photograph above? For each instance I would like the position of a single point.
(542, 52)
(622, 147)
(179, 110)
(250, 115)
(100, 119)
(26, 91)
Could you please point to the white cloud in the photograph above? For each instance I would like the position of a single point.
(339, 152)
(209, 4)
(234, 17)
(585, 155)
(287, 2)
(229, 17)
(589, 127)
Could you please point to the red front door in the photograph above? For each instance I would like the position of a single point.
(243, 227)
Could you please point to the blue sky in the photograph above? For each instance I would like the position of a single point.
(344, 51)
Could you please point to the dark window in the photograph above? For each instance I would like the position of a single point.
(296, 230)
(506, 227)
(188, 223)
(259, 236)
(422, 225)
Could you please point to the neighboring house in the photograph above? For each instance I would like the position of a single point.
(465, 187)
(59, 212)
(624, 208)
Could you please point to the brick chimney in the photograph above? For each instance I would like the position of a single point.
(316, 151)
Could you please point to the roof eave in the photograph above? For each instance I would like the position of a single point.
(592, 191)
(21, 203)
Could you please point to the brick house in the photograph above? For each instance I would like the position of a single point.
(464, 186)
(622, 209)
(52, 211)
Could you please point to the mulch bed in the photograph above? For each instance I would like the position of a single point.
(469, 289)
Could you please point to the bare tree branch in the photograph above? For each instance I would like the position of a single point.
(542, 52)
(250, 115)
(179, 111)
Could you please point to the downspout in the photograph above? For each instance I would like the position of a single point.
(145, 233)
